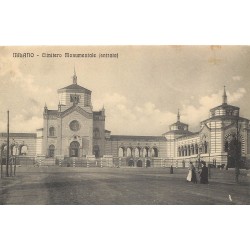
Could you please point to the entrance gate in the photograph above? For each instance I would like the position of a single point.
(74, 149)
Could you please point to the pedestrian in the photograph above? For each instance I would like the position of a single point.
(237, 173)
(194, 177)
(204, 173)
(189, 176)
(171, 169)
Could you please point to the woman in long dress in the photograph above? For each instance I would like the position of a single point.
(194, 177)
(189, 176)
(204, 173)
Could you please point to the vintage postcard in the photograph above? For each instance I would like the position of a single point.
(131, 125)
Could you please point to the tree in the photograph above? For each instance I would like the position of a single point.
(234, 152)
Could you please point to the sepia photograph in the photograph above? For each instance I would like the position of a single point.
(125, 125)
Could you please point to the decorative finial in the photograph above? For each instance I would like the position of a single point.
(45, 108)
(178, 115)
(74, 76)
(59, 106)
(224, 97)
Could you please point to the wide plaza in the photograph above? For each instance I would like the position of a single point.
(121, 186)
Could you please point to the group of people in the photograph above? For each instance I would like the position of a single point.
(192, 177)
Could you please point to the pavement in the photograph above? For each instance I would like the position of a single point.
(118, 186)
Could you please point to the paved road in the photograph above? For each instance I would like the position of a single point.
(119, 186)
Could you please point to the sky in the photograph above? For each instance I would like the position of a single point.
(141, 90)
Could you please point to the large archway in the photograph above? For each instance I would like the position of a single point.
(96, 151)
(51, 151)
(74, 149)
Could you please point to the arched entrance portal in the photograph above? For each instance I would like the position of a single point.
(51, 150)
(131, 163)
(96, 151)
(74, 149)
(148, 163)
(139, 163)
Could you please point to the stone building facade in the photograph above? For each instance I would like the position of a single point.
(74, 130)
(211, 142)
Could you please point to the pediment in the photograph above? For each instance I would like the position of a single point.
(77, 109)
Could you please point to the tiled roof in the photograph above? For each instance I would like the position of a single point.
(76, 87)
(178, 123)
(224, 105)
(226, 117)
(23, 135)
(97, 112)
(137, 137)
(179, 132)
(52, 112)
(188, 135)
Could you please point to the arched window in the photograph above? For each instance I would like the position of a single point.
(52, 131)
(96, 133)
(51, 150)
(14, 149)
(145, 152)
(179, 151)
(185, 151)
(4, 150)
(121, 152)
(154, 152)
(24, 150)
(196, 149)
(192, 149)
(137, 152)
(182, 151)
(129, 152)
(205, 147)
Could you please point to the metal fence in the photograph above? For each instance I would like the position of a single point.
(99, 162)
(115, 162)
